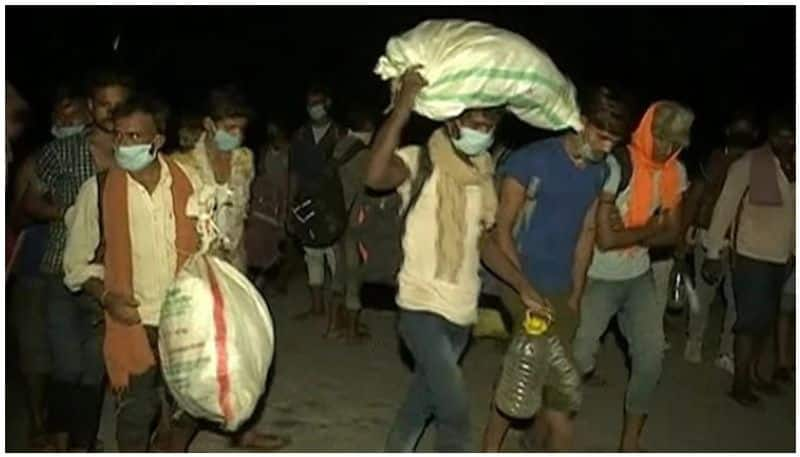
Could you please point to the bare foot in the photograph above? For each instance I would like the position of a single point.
(594, 380)
(359, 336)
(770, 388)
(43, 443)
(335, 332)
(60, 441)
(308, 314)
(260, 441)
(631, 446)
(304, 315)
(745, 398)
(334, 335)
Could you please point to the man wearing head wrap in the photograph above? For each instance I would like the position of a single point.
(631, 218)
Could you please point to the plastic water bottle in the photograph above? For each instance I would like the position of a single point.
(519, 392)
(691, 294)
(676, 290)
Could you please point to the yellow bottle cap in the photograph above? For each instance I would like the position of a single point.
(535, 325)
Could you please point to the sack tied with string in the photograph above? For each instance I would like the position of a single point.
(472, 64)
(216, 338)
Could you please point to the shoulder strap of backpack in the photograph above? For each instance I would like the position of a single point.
(101, 246)
(424, 171)
(351, 152)
(623, 157)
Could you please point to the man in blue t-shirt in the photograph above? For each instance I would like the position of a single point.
(545, 223)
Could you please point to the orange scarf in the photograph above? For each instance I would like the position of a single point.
(126, 349)
(642, 148)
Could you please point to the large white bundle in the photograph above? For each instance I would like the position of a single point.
(476, 65)
(216, 342)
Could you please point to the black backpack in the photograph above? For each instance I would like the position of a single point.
(623, 157)
(318, 217)
(379, 226)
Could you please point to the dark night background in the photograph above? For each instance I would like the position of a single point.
(713, 58)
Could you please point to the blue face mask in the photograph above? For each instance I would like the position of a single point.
(473, 142)
(63, 132)
(134, 158)
(225, 141)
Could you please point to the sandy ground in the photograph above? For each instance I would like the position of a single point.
(333, 397)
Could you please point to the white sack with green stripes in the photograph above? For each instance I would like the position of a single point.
(216, 342)
(475, 65)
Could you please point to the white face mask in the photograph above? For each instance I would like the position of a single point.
(63, 132)
(365, 137)
(134, 157)
(473, 142)
(588, 154)
(317, 112)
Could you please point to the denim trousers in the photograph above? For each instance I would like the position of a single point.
(758, 286)
(74, 334)
(437, 386)
(640, 318)
(139, 406)
(26, 300)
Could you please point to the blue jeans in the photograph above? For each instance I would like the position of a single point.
(640, 317)
(28, 310)
(437, 386)
(758, 287)
(74, 334)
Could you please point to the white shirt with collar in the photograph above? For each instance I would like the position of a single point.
(152, 232)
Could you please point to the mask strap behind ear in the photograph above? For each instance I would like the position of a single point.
(163, 142)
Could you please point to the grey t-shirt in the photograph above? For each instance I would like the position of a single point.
(627, 263)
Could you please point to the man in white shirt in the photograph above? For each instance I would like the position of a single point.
(446, 236)
(632, 217)
(129, 263)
